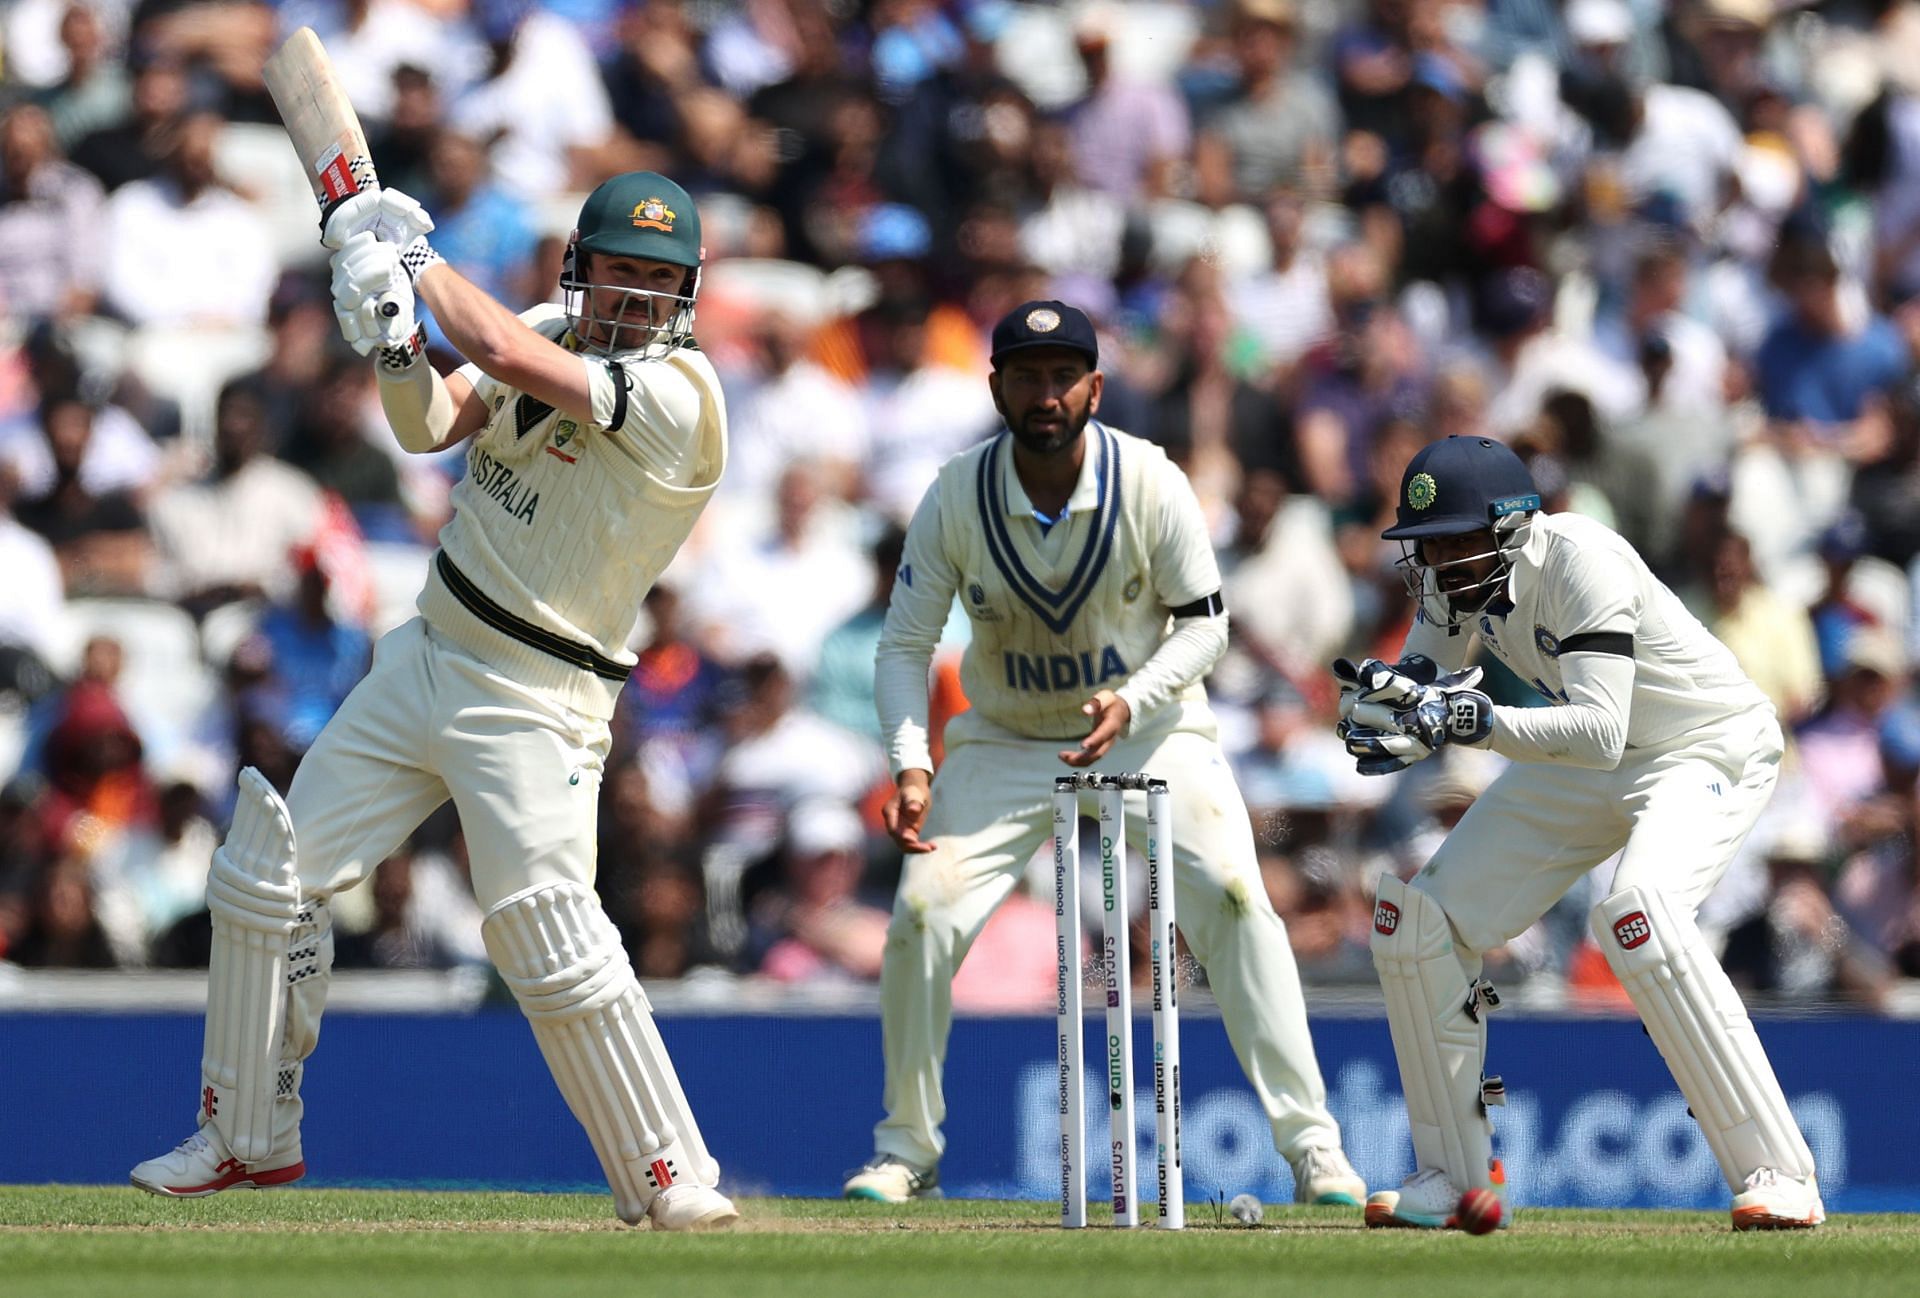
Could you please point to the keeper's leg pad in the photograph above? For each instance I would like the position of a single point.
(1439, 1034)
(1697, 1020)
(559, 953)
(266, 938)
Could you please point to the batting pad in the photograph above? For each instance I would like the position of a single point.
(558, 951)
(254, 899)
(1697, 1020)
(1439, 1043)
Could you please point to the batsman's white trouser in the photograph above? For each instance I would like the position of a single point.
(992, 808)
(1680, 811)
(427, 723)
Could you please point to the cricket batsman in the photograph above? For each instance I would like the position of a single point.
(598, 435)
(1654, 742)
(1082, 559)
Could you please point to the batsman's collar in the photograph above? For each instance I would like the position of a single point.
(1045, 323)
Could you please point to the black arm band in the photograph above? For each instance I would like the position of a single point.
(1206, 606)
(1598, 642)
(622, 381)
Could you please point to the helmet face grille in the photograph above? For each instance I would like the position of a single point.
(1457, 607)
(626, 320)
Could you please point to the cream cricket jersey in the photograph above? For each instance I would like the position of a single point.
(1577, 587)
(1057, 612)
(560, 528)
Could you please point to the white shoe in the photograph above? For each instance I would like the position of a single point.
(1324, 1176)
(1775, 1201)
(200, 1165)
(690, 1206)
(1425, 1201)
(887, 1179)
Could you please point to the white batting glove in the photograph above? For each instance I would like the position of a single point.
(387, 214)
(372, 296)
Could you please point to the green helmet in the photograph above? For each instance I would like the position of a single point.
(638, 214)
(641, 214)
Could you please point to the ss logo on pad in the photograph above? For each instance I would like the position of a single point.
(1632, 930)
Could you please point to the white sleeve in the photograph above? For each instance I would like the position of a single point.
(1184, 657)
(1186, 578)
(651, 410)
(1590, 729)
(916, 613)
(1596, 611)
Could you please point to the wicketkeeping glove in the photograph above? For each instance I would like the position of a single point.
(387, 214)
(1388, 732)
(372, 296)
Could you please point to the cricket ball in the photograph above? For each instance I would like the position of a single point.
(1478, 1212)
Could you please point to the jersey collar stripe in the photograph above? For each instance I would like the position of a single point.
(1042, 599)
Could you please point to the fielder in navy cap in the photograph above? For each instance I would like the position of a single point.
(1046, 381)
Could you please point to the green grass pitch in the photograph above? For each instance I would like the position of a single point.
(91, 1242)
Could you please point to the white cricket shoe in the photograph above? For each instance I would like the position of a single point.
(200, 1165)
(1427, 1200)
(1775, 1201)
(887, 1179)
(690, 1206)
(1424, 1201)
(1324, 1176)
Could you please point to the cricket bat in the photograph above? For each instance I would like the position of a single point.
(323, 126)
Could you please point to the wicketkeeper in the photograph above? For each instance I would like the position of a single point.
(1654, 742)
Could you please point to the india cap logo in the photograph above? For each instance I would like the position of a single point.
(654, 214)
(1422, 491)
(1043, 320)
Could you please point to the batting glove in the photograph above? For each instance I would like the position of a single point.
(372, 296)
(386, 214)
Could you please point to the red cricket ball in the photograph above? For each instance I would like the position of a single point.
(1478, 1212)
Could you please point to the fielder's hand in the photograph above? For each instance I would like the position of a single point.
(906, 810)
(368, 283)
(387, 214)
(1110, 714)
(1372, 681)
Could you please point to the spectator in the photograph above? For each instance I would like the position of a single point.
(670, 704)
(99, 539)
(229, 535)
(1368, 372)
(843, 676)
(49, 222)
(182, 250)
(401, 937)
(1127, 136)
(1284, 307)
(782, 588)
(783, 406)
(1281, 127)
(1772, 639)
(95, 92)
(134, 146)
(333, 442)
(814, 926)
(540, 141)
(61, 930)
(317, 658)
(33, 619)
(482, 229)
(919, 410)
(1824, 381)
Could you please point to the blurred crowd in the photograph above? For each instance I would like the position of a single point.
(1667, 249)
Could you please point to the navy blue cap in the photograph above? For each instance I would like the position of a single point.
(1461, 484)
(1045, 323)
